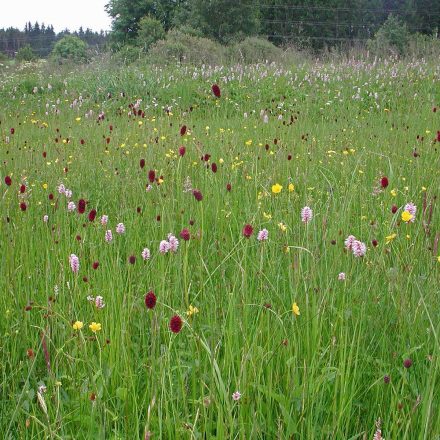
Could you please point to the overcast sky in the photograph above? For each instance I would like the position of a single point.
(61, 14)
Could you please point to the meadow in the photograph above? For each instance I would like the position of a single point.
(245, 252)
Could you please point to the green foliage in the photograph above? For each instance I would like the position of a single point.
(255, 50)
(393, 36)
(150, 30)
(185, 48)
(25, 53)
(70, 48)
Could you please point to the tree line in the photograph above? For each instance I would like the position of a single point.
(280, 21)
(42, 38)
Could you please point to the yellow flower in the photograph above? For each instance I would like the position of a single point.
(390, 238)
(406, 216)
(44, 185)
(192, 310)
(291, 187)
(295, 309)
(78, 119)
(78, 325)
(438, 258)
(276, 189)
(267, 216)
(282, 227)
(249, 142)
(393, 192)
(95, 327)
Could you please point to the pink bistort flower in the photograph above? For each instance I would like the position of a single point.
(74, 263)
(263, 235)
(359, 249)
(306, 214)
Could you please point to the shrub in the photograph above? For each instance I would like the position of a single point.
(392, 36)
(150, 31)
(25, 53)
(255, 50)
(70, 48)
(185, 48)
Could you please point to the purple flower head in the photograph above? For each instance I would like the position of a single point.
(71, 206)
(263, 235)
(349, 242)
(173, 242)
(164, 247)
(74, 263)
(108, 236)
(359, 249)
(99, 302)
(412, 209)
(341, 276)
(146, 254)
(306, 214)
(104, 220)
(120, 228)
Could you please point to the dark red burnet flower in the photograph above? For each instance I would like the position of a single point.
(386, 379)
(384, 182)
(95, 265)
(23, 206)
(182, 130)
(438, 136)
(228, 187)
(8, 180)
(142, 163)
(82, 206)
(50, 196)
(394, 209)
(82, 141)
(184, 234)
(182, 151)
(22, 189)
(407, 363)
(197, 195)
(216, 90)
(374, 243)
(92, 215)
(12, 130)
(151, 176)
(176, 324)
(150, 300)
(44, 154)
(132, 259)
(248, 230)
(434, 109)
(214, 167)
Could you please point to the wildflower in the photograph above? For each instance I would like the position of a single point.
(68, 193)
(150, 300)
(390, 238)
(95, 265)
(384, 182)
(182, 151)
(74, 263)
(95, 327)
(291, 187)
(104, 220)
(8, 180)
(386, 379)
(92, 215)
(374, 243)
(99, 302)
(228, 187)
(81, 206)
(407, 363)
(148, 188)
(23, 206)
(263, 235)
(393, 192)
(192, 310)
(164, 247)
(236, 396)
(184, 234)
(78, 325)
(349, 242)
(108, 236)
(146, 254)
(406, 216)
(142, 163)
(176, 324)
(394, 209)
(22, 188)
(71, 206)
(216, 90)
(197, 195)
(412, 209)
(182, 130)
(306, 214)
(295, 309)
(341, 276)
(173, 242)
(151, 175)
(276, 189)
(120, 228)
(282, 226)
(359, 249)
(45, 218)
(248, 230)
(132, 259)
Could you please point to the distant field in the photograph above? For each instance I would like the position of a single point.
(218, 305)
